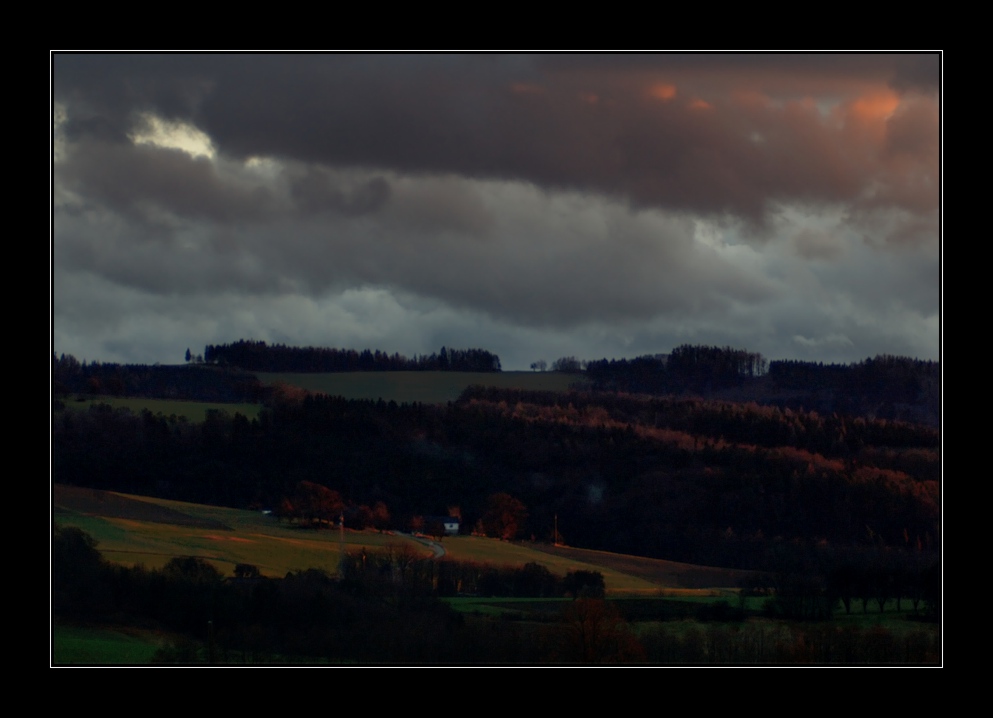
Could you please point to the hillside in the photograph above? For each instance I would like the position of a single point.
(140, 529)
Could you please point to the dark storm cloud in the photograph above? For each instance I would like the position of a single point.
(315, 190)
(917, 70)
(135, 178)
(604, 264)
(584, 123)
(594, 205)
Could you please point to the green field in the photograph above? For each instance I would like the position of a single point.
(107, 646)
(194, 411)
(428, 387)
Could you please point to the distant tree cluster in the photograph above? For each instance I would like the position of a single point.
(898, 378)
(714, 366)
(194, 382)
(641, 375)
(569, 365)
(259, 356)
(687, 368)
(885, 387)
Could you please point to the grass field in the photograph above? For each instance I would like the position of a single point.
(140, 530)
(661, 599)
(484, 550)
(428, 387)
(194, 411)
(679, 579)
(104, 646)
(135, 529)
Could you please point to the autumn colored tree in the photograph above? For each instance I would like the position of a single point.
(380, 516)
(595, 634)
(504, 517)
(315, 502)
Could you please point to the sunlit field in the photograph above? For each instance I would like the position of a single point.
(500, 553)
(134, 530)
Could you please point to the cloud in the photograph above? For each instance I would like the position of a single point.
(468, 115)
(139, 179)
(594, 205)
(814, 244)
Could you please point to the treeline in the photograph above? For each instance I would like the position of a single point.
(885, 386)
(196, 382)
(788, 643)
(897, 378)
(690, 480)
(687, 368)
(384, 608)
(258, 356)
(306, 616)
(449, 577)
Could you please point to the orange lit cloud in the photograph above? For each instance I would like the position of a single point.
(874, 107)
(664, 92)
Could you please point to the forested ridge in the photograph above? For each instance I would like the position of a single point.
(685, 479)
(259, 356)
(806, 476)
(884, 386)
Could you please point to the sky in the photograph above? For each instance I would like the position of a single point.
(537, 206)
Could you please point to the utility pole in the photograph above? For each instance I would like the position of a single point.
(341, 544)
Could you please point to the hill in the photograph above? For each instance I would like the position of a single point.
(427, 387)
(140, 529)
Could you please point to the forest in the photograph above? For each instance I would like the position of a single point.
(258, 356)
(688, 479)
(835, 506)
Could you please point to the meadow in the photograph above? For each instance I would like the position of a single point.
(193, 411)
(680, 613)
(88, 645)
(427, 387)
(132, 530)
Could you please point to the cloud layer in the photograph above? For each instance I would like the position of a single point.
(536, 206)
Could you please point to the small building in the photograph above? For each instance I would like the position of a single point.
(448, 524)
